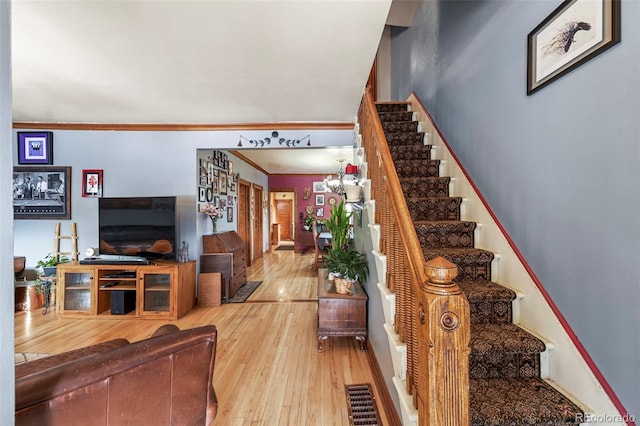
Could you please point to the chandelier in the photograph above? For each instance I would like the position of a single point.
(339, 183)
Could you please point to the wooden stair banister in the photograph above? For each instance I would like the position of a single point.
(432, 314)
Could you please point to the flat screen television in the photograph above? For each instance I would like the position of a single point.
(138, 226)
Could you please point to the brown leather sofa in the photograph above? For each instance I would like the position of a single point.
(166, 379)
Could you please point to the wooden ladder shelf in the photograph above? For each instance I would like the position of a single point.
(74, 242)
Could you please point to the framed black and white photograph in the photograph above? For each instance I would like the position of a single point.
(320, 212)
(222, 182)
(318, 186)
(320, 200)
(202, 194)
(229, 214)
(575, 32)
(35, 147)
(41, 192)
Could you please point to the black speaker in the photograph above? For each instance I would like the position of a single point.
(122, 301)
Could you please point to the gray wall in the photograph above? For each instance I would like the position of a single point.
(560, 168)
(7, 400)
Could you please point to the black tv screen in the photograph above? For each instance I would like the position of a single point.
(138, 226)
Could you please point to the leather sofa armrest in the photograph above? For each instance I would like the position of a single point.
(42, 364)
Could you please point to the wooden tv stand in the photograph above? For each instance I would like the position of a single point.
(165, 289)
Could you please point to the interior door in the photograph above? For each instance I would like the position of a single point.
(283, 216)
(244, 216)
(258, 231)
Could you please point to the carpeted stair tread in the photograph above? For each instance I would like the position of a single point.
(436, 208)
(508, 338)
(400, 126)
(392, 106)
(489, 302)
(445, 233)
(405, 138)
(503, 351)
(410, 152)
(390, 116)
(429, 187)
(411, 168)
(499, 402)
(472, 263)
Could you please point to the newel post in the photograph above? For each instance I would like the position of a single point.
(443, 328)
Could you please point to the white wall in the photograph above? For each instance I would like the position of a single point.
(7, 377)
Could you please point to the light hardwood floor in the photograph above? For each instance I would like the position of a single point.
(267, 370)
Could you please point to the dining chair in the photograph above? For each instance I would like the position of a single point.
(319, 254)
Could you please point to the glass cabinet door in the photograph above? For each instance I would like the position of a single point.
(76, 291)
(156, 292)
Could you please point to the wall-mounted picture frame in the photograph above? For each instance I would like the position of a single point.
(319, 199)
(318, 186)
(575, 32)
(41, 192)
(229, 214)
(202, 194)
(320, 212)
(35, 147)
(92, 183)
(222, 182)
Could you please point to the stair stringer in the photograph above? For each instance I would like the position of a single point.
(567, 369)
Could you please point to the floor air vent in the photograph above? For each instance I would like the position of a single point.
(362, 405)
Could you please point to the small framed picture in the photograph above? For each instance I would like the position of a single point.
(92, 183)
(318, 187)
(202, 194)
(35, 147)
(230, 167)
(320, 200)
(222, 179)
(229, 214)
(320, 212)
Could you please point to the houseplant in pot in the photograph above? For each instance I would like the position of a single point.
(50, 262)
(348, 265)
(338, 225)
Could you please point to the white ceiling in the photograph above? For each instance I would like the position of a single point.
(194, 62)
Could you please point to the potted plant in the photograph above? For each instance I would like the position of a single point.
(49, 264)
(338, 225)
(348, 265)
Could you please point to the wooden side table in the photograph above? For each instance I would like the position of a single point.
(341, 314)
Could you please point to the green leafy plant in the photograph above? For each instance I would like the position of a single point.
(338, 224)
(308, 221)
(51, 260)
(348, 263)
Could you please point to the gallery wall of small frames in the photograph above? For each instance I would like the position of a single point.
(217, 182)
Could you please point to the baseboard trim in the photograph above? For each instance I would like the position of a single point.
(385, 397)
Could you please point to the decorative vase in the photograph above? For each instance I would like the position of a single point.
(343, 286)
(214, 225)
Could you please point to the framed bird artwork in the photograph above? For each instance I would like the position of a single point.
(574, 33)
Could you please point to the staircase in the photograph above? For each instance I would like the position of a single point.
(506, 384)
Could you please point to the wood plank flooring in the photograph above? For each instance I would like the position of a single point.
(267, 370)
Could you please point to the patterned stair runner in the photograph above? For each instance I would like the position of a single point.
(505, 385)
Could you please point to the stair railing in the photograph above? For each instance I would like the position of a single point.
(432, 314)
